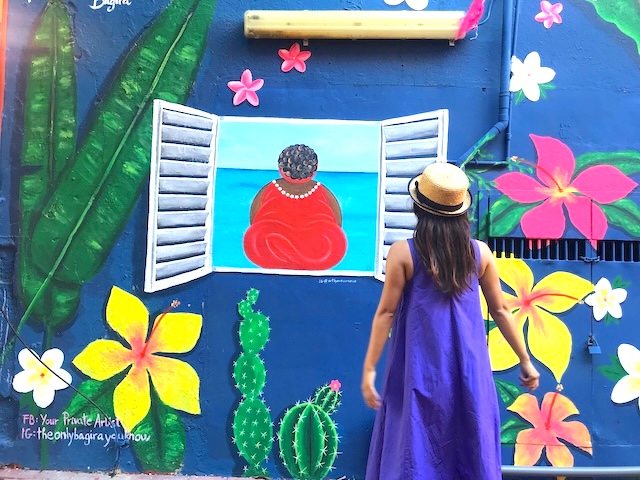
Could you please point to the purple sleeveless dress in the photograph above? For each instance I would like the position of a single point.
(439, 417)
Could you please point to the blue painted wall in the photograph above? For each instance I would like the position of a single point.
(320, 331)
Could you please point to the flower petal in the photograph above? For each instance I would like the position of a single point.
(257, 84)
(544, 74)
(545, 221)
(618, 295)
(556, 407)
(500, 352)
(532, 61)
(545, 6)
(531, 89)
(304, 56)
(240, 96)
(393, 2)
(555, 159)
(132, 398)
(252, 98)
(177, 383)
(581, 214)
(284, 54)
(560, 291)
(102, 359)
(603, 284)
(517, 67)
(288, 65)
(246, 78)
(629, 359)
(43, 395)
(528, 448)
(236, 86)
(520, 188)
(627, 389)
(549, 341)
(599, 311)
(127, 316)
(526, 405)
(175, 333)
(575, 433)
(615, 310)
(53, 358)
(25, 381)
(300, 66)
(29, 360)
(516, 274)
(63, 381)
(559, 455)
(294, 50)
(604, 183)
(418, 4)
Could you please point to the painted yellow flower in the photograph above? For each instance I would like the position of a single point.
(548, 338)
(175, 381)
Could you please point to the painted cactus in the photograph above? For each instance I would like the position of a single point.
(252, 425)
(308, 437)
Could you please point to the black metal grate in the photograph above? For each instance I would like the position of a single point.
(566, 249)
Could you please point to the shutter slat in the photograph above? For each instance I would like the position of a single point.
(195, 186)
(189, 136)
(398, 203)
(408, 131)
(182, 202)
(172, 236)
(407, 168)
(177, 267)
(411, 149)
(174, 151)
(170, 117)
(400, 220)
(178, 252)
(396, 234)
(182, 219)
(175, 168)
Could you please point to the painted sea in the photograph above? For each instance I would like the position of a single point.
(235, 189)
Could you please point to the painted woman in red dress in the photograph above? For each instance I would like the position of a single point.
(296, 223)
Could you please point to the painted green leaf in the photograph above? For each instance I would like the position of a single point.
(628, 162)
(510, 429)
(49, 141)
(507, 391)
(618, 282)
(624, 14)
(159, 440)
(94, 197)
(505, 215)
(613, 372)
(100, 393)
(624, 214)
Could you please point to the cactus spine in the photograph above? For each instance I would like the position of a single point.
(308, 437)
(252, 425)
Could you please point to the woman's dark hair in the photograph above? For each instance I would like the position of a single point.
(298, 162)
(445, 249)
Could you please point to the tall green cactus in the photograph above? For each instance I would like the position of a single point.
(308, 437)
(252, 425)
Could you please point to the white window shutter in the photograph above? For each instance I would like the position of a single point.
(409, 144)
(179, 241)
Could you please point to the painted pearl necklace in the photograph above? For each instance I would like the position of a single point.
(295, 197)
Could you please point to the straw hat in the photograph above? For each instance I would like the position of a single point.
(441, 189)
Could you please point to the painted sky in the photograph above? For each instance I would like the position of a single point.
(341, 146)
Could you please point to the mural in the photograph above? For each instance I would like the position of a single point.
(192, 210)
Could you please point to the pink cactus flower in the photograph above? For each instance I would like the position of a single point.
(335, 385)
(550, 13)
(294, 58)
(557, 189)
(246, 89)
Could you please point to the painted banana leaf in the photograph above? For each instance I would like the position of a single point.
(49, 141)
(624, 14)
(4, 18)
(94, 197)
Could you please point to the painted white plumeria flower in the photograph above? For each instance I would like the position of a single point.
(37, 378)
(413, 4)
(529, 75)
(628, 387)
(606, 300)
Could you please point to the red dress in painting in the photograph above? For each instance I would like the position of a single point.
(295, 232)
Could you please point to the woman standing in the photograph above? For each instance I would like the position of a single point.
(438, 413)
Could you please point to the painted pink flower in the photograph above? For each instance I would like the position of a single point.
(246, 89)
(556, 188)
(294, 58)
(335, 385)
(471, 18)
(549, 14)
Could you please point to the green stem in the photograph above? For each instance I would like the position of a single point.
(44, 444)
